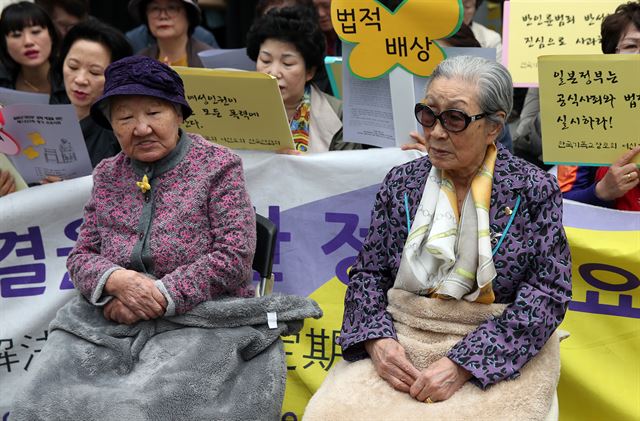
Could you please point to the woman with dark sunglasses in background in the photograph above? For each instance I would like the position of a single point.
(467, 223)
(172, 24)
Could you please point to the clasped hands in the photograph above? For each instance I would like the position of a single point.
(438, 382)
(135, 298)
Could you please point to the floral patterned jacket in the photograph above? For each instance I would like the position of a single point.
(533, 265)
(194, 231)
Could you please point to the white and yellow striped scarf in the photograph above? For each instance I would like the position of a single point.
(448, 253)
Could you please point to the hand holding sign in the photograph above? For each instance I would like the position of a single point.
(7, 183)
(404, 37)
(621, 177)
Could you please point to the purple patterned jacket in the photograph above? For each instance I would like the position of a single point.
(194, 231)
(533, 267)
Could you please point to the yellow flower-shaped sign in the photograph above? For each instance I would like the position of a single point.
(386, 39)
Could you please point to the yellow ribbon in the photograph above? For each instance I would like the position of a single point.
(144, 184)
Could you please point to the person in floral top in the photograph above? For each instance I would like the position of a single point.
(287, 43)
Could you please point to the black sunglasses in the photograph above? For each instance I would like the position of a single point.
(452, 120)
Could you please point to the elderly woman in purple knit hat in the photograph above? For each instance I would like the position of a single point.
(169, 224)
(166, 324)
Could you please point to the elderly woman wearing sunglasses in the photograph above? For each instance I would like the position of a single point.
(469, 222)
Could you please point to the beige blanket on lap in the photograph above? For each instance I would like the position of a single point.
(428, 328)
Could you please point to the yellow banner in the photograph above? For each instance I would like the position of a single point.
(533, 28)
(240, 110)
(600, 377)
(312, 352)
(589, 107)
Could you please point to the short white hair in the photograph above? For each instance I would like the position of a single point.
(495, 87)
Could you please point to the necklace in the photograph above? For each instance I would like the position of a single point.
(33, 87)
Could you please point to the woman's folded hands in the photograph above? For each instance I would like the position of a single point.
(136, 297)
(117, 312)
(437, 382)
(391, 363)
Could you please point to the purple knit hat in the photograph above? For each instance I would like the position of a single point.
(140, 75)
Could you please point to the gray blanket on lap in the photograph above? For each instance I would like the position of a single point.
(218, 362)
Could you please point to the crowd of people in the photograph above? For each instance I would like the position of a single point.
(169, 224)
(289, 40)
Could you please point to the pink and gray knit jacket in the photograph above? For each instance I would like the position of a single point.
(194, 231)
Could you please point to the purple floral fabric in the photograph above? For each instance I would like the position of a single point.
(533, 267)
(200, 237)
